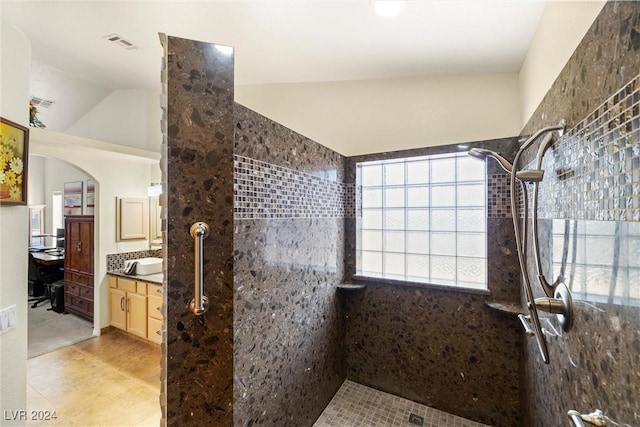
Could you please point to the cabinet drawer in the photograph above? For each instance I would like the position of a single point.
(153, 289)
(154, 306)
(76, 304)
(127, 285)
(154, 330)
(78, 290)
(83, 279)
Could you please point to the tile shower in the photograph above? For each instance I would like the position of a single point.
(282, 339)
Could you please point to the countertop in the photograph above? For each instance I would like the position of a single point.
(151, 278)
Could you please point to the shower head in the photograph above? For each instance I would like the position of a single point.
(523, 175)
(482, 154)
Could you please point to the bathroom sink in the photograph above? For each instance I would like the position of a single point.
(144, 266)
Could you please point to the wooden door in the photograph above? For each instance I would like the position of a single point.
(118, 308)
(137, 315)
(79, 244)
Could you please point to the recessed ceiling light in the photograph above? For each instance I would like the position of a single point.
(388, 7)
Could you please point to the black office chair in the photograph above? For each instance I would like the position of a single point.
(40, 276)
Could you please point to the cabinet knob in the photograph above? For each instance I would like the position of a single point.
(79, 246)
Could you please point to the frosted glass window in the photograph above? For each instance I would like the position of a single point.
(417, 243)
(418, 196)
(372, 198)
(472, 245)
(372, 174)
(443, 244)
(418, 172)
(443, 196)
(394, 197)
(471, 195)
(394, 264)
(423, 219)
(418, 219)
(443, 170)
(394, 174)
(443, 220)
(394, 219)
(371, 240)
(469, 169)
(394, 241)
(372, 219)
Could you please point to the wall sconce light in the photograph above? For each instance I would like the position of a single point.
(154, 189)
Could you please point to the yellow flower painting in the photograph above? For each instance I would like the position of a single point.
(13, 158)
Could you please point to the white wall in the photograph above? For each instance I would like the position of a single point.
(56, 173)
(118, 172)
(124, 117)
(15, 51)
(36, 181)
(372, 116)
(561, 29)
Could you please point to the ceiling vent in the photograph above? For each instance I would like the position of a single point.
(120, 41)
(40, 102)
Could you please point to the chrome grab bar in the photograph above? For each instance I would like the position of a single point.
(596, 418)
(200, 303)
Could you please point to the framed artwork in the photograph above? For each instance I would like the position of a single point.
(73, 198)
(14, 155)
(91, 197)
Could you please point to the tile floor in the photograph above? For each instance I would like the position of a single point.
(111, 380)
(357, 405)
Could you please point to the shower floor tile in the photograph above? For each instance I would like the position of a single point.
(356, 405)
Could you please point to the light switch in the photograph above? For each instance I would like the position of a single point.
(7, 319)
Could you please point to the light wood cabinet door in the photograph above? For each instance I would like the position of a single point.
(118, 308)
(137, 315)
(132, 219)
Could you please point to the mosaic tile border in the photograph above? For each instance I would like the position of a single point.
(116, 261)
(594, 173)
(264, 190)
(358, 405)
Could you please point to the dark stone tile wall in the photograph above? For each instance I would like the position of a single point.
(445, 349)
(198, 120)
(597, 364)
(288, 249)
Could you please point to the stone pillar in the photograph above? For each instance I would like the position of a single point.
(198, 170)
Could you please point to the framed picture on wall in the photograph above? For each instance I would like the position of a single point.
(14, 155)
(73, 198)
(91, 197)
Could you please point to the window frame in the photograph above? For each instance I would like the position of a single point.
(406, 277)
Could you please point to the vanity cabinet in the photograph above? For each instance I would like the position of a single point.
(136, 307)
(78, 265)
(154, 311)
(128, 305)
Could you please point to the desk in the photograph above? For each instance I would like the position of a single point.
(48, 259)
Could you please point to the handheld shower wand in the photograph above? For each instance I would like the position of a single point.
(561, 303)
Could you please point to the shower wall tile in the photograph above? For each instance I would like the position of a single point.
(288, 260)
(444, 349)
(265, 190)
(198, 120)
(591, 175)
